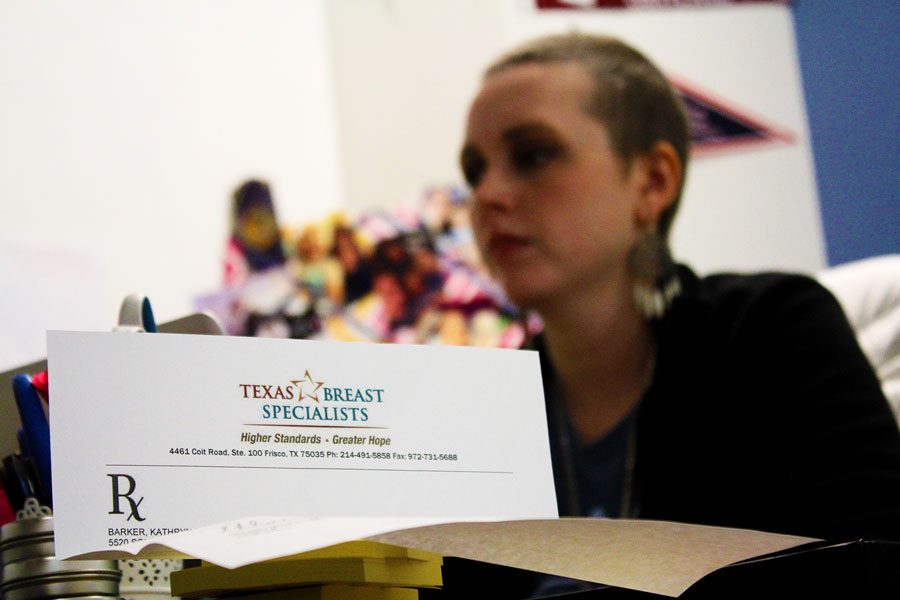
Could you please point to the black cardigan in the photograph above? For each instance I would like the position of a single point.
(763, 414)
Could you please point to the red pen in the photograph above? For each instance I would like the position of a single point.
(41, 382)
(6, 512)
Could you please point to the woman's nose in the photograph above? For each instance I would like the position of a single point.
(494, 192)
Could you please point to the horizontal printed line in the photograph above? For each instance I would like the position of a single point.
(315, 426)
(310, 468)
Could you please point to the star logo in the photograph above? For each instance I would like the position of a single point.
(308, 383)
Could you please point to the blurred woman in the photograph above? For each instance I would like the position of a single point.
(732, 400)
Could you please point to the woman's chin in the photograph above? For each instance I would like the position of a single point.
(528, 293)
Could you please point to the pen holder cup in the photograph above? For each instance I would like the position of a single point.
(30, 570)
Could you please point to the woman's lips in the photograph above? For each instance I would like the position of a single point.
(505, 245)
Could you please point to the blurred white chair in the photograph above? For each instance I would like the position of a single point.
(869, 291)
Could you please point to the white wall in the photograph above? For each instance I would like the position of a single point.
(405, 71)
(124, 127)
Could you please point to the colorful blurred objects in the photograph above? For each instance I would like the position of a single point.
(410, 275)
(255, 243)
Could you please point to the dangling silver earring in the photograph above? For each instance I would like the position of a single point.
(656, 281)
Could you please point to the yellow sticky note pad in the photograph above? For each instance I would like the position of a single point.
(367, 549)
(337, 592)
(394, 572)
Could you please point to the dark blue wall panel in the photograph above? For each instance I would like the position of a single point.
(850, 65)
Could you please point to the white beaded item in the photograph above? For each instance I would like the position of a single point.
(147, 579)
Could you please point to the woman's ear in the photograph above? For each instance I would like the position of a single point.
(660, 180)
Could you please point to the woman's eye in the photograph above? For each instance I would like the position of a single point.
(473, 168)
(530, 157)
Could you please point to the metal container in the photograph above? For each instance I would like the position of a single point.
(28, 538)
(50, 578)
(63, 587)
(31, 572)
(26, 528)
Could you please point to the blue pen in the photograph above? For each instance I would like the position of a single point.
(147, 316)
(37, 430)
(24, 448)
(20, 482)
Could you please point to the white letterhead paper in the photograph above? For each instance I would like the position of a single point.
(152, 434)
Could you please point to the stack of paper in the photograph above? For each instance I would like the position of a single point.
(362, 570)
